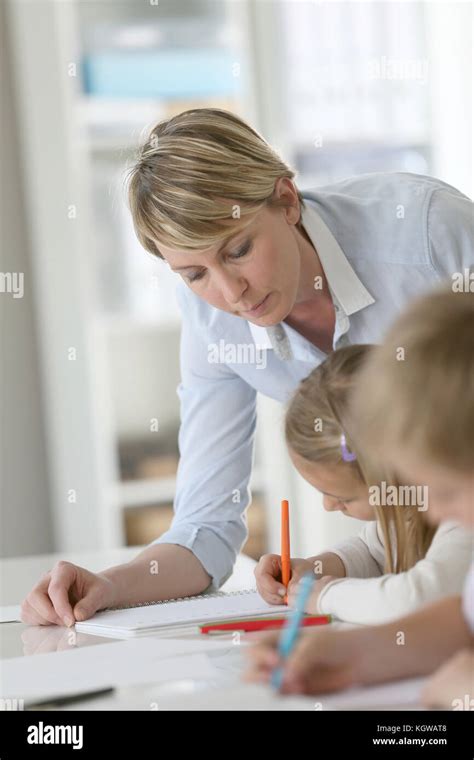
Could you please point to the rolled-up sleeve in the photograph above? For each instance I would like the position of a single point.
(216, 442)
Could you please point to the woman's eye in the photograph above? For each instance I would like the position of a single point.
(195, 277)
(245, 249)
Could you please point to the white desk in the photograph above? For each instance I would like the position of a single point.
(224, 690)
(18, 576)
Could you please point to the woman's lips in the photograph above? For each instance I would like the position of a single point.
(257, 310)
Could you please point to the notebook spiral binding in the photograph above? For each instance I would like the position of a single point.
(215, 595)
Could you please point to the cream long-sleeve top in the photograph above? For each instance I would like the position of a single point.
(368, 595)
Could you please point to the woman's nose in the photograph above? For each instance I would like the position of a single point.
(330, 504)
(232, 288)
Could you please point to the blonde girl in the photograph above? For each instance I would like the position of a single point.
(398, 561)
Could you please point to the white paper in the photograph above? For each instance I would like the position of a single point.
(44, 676)
(10, 614)
(400, 695)
(187, 612)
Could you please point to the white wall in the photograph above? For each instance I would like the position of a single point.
(25, 521)
(450, 46)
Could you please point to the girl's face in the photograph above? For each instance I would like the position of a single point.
(261, 272)
(450, 493)
(342, 489)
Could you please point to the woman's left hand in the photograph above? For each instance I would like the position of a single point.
(312, 603)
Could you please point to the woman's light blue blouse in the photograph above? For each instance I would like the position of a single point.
(383, 239)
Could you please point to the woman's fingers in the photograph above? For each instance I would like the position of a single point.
(39, 611)
(66, 594)
(63, 577)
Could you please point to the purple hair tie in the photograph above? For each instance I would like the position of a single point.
(348, 456)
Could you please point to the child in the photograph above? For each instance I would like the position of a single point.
(416, 394)
(398, 561)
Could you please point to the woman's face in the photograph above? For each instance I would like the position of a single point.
(257, 273)
(342, 489)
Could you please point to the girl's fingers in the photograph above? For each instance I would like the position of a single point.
(263, 656)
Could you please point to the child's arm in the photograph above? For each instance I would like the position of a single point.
(452, 686)
(328, 660)
(416, 644)
(439, 574)
(327, 564)
(363, 555)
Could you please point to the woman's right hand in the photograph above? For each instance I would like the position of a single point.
(67, 594)
(268, 576)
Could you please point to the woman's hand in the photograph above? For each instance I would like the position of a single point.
(66, 594)
(311, 606)
(268, 576)
(322, 661)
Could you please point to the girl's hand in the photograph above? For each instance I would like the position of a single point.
(66, 594)
(268, 577)
(454, 680)
(322, 661)
(312, 603)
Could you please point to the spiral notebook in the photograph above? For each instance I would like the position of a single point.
(173, 615)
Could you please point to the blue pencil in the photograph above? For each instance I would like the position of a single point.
(292, 626)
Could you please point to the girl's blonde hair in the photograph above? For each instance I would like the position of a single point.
(201, 177)
(416, 392)
(316, 418)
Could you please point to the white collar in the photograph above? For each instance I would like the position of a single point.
(343, 281)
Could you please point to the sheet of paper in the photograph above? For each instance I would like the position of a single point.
(400, 695)
(192, 611)
(123, 663)
(10, 614)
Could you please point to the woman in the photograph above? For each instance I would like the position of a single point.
(273, 280)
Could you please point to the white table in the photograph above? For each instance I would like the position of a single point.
(224, 691)
(18, 575)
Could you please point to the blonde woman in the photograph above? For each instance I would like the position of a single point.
(399, 561)
(274, 279)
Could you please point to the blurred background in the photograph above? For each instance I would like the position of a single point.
(89, 411)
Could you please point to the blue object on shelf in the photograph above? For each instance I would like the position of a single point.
(160, 74)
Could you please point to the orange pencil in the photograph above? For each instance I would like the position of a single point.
(285, 545)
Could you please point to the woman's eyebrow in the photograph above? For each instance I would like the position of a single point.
(226, 242)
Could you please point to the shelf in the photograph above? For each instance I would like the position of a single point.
(125, 325)
(115, 124)
(138, 493)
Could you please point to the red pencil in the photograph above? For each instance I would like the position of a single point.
(261, 624)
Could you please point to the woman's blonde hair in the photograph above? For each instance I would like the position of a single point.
(198, 174)
(316, 418)
(416, 392)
